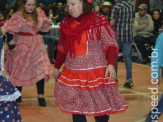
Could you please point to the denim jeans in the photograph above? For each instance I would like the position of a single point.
(126, 50)
(51, 41)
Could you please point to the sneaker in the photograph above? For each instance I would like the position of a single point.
(117, 82)
(146, 60)
(129, 84)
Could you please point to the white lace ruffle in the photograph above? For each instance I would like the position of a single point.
(10, 97)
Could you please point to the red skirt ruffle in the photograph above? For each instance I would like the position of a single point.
(88, 92)
(85, 78)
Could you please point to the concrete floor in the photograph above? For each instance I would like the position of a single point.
(138, 100)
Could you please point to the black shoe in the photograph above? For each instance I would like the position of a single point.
(52, 61)
(19, 99)
(42, 102)
(148, 60)
(129, 84)
(145, 61)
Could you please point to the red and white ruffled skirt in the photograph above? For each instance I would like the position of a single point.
(88, 92)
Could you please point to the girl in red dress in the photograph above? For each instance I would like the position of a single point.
(88, 48)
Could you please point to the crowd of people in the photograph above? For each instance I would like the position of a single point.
(91, 35)
(148, 20)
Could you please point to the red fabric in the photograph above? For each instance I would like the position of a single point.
(84, 78)
(102, 101)
(2, 23)
(89, 1)
(88, 91)
(93, 114)
(26, 33)
(111, 55)
(81, 49)
(29, 63)
(71, 30)
(60, 59)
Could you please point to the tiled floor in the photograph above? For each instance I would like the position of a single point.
(138, 100)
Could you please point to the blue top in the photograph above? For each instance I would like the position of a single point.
(157, 57)
(1, 42)
(1, 53)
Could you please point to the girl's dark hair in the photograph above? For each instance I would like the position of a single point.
(24, 13)
(87, 7)
(157, 10)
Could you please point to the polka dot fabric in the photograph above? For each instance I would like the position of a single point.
(9, 112)
(8, 108)
(6, 88)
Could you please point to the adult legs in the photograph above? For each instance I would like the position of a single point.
(50, 41)
(140, 41)
(126, 49)
(55, 40)
(152, 40)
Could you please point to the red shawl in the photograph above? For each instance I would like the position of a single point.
(71, 30)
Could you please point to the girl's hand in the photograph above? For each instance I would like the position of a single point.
(57, 73)
(110, 69)
(12, 42)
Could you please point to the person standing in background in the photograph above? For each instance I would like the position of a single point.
(121, 19)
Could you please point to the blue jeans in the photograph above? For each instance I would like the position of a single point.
(126, 50)
(156, 112)
(51, 41)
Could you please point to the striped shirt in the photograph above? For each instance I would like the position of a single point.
(123, 14)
